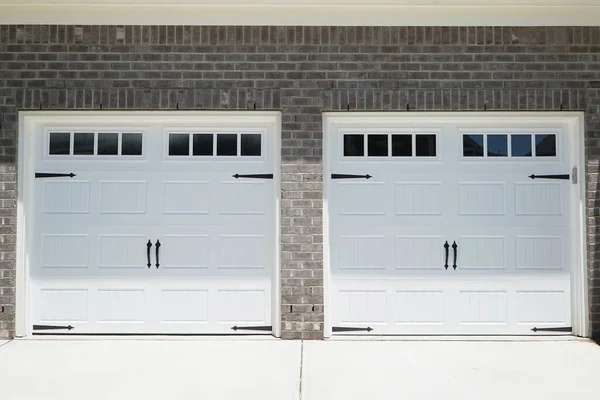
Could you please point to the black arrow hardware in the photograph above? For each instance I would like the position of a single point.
(344, 176)
(252, 328)
(51, 175)
(561, 329)
(254, 176)
(148, 247)
(565, 177)
(350, 329)
(51, 327)
(447, 247)
(454, 247)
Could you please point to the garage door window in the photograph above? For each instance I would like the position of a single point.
(95, 144)
(386, 145)
(509, 145)
(215, 144)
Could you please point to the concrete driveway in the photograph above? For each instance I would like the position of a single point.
(242, 368)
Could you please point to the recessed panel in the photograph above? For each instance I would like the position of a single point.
(416, 252)
(539, 252)
(419, 307)
(66, 197)
(481, 253)
(548, 307)
(483, 307)
(122, 251)
(185, 251)
(361, 306)
(243, 197)
(123, 197)
(65, 251)
(418, 198)
(121, 305)
(241, 306)
(538, 198)
(184, 305)
(64, 305)
(361, 198)
(187, 197)
(243, 251)
(363, 252)
(481, 198)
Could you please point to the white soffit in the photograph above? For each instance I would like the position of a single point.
(303, 12)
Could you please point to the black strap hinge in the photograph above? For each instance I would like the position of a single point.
(350, 329)
(254, 176)
(52, 327)
(253, 328)
(53, 175)
(346, 176)
(559, 329)
(565, 177)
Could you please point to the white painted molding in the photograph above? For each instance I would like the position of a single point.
(286, 12)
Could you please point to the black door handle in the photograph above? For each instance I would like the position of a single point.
(148, 246)
(447, 247)
(157, 246)
(454, 247)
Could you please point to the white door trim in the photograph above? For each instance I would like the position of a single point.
(571, 122)
(30, 121)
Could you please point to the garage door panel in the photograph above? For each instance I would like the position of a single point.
(419, 252)
(65, 251)
(186, 197)
(185, 251)
(363, 198)
(123, 197)
(122, 251)
(418, 198)
(66, 197)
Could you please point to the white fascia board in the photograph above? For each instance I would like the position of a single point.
(306, 15)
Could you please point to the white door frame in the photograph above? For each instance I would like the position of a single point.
(31, 121)
(571, 122)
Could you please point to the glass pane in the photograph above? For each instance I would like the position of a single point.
(354, 145)
(227, 144)
(83, 143)
(377, 145)
(425, 146)
(497, 146)
(203, 144)
(401, 145)
(108, 144)
(179, 144)
(251, 144)
(473, 145)
(520, 145)
(60, 143)
(545, 145)
(131, 144)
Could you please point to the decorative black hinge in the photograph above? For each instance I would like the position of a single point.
(255, 176)
(350, 329)
(560, 329)
(345, 176)
(51, 327)
(252, 328)
(565, 177)
(52, 175)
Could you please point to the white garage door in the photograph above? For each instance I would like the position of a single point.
(162, 229)
(439, 228)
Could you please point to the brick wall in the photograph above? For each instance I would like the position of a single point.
(302, 71)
